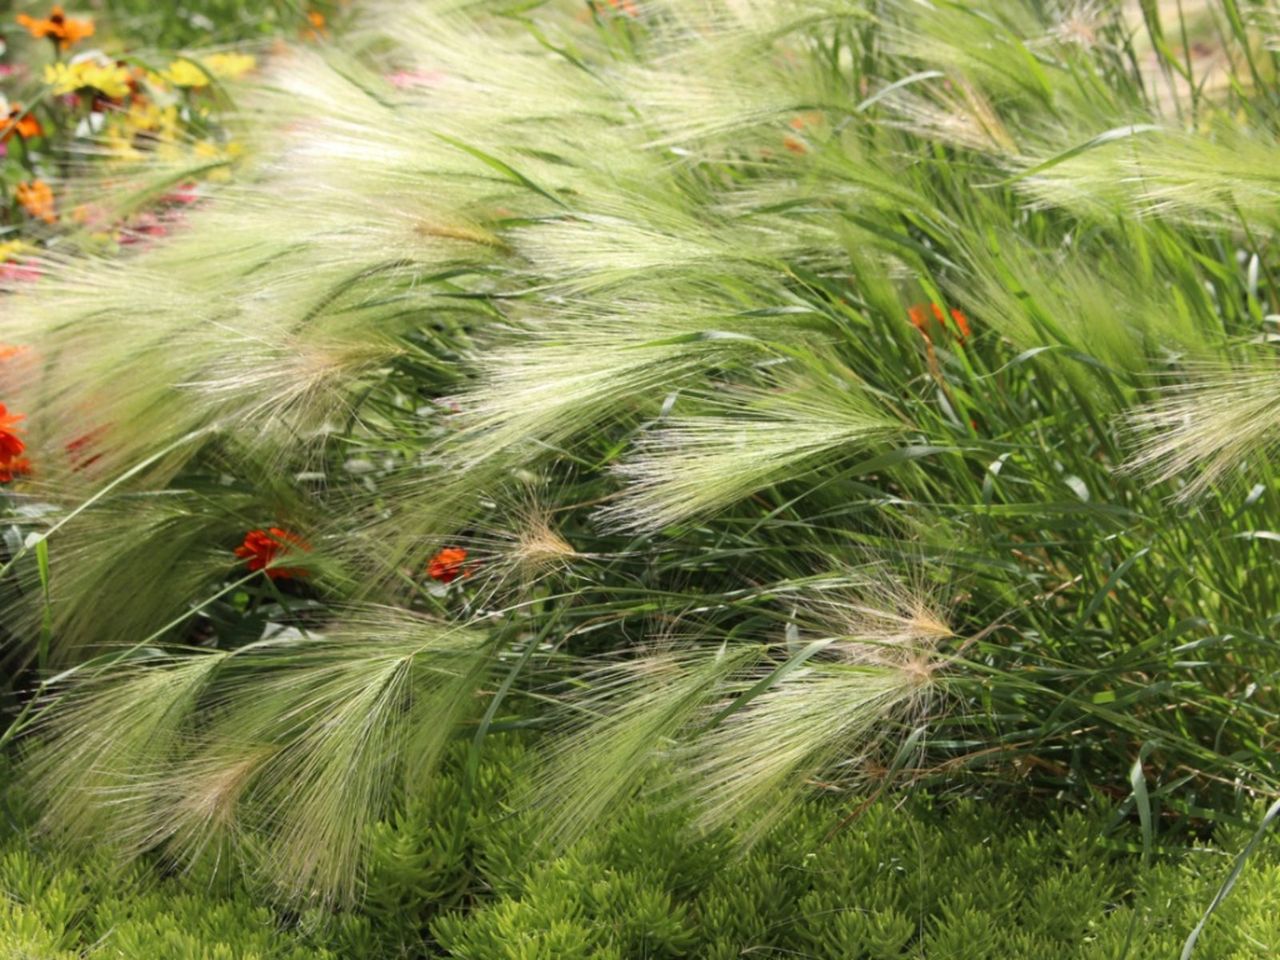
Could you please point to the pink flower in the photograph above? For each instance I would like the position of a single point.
(409, 79)
(183, 194)
(145, 226)
(26, 272)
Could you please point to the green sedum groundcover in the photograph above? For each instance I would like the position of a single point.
(928, 878)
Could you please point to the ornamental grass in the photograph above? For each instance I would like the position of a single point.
(755, 398)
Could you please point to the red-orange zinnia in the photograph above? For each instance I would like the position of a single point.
(10, 469)
(58, 26)
(10, 443)
(12, 463)
(261, 547)
(446, 566)
(26, 126)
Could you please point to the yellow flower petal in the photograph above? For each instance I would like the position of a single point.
(10, 249)
(185, 73)
(229, 66)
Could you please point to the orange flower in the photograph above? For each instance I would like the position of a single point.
(919, 319)
(8, 352)
(446, 565)
(26, 126)
(795, 145)
(12, 463)
(10, 443)
(10, 469)
(261, 547)
(67, 31)
(37, 199)
(799, 123)
(625, 6)
(317, 30)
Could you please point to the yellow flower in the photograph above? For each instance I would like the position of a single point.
(109, 78)
(229, 66)
(186, 73)
(226, 153)
(62, 77)
(161, 121)
(196, 73)
(12, 248)
(120, 137)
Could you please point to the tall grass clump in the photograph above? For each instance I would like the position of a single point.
(757, 397)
